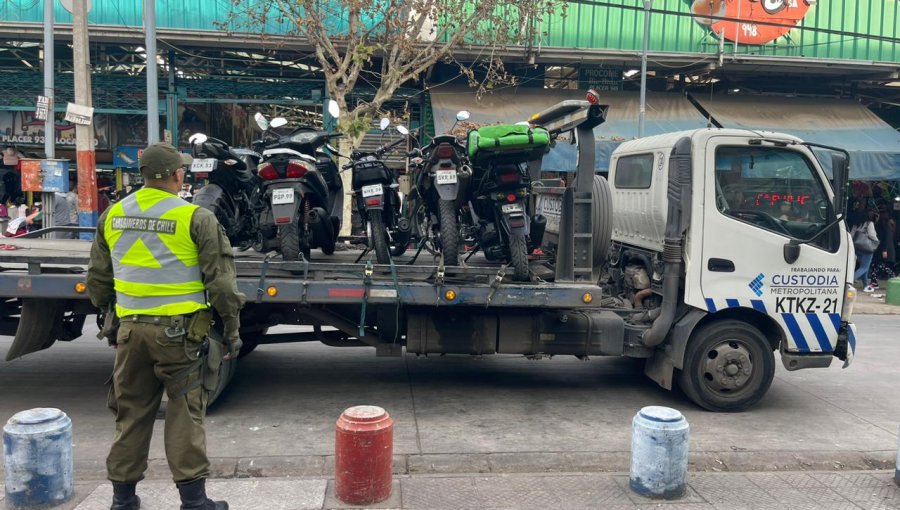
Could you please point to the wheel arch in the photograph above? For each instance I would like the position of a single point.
(661, 366)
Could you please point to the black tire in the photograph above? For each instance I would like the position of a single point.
(38, 326)
(379, 236)
(602, 212)
(212, 198)
(329, 245)
(518, 251)
(449, 232)
(289, 241)
(715, 349)
(226, 371)
(247, 348)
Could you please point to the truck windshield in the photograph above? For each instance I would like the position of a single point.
(773, 188)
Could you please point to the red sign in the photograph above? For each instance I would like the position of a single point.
(755, 21)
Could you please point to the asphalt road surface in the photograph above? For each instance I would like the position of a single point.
(491, 414)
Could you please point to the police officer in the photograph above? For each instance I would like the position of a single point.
(163, 261)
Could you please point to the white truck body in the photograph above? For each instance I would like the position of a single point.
(751, 193)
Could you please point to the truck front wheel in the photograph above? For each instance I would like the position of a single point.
(728, 366)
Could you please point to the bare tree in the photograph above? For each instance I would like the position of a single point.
(387, 43)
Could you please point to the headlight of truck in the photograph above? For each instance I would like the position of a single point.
(849, 301)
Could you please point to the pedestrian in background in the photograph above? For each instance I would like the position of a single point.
(159, 259)
(72, 200)
(885, 256)
(865, 241)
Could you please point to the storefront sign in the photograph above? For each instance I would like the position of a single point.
(24, 129)
(601, 79)
(779, 16)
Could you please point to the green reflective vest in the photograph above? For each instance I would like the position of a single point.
(155, 263)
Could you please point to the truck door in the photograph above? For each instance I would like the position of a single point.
(757, 197)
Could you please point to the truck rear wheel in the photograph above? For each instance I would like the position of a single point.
(728, 366)
(601, 210)
(226, 371)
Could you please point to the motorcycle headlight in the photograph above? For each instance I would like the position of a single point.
(849, 301)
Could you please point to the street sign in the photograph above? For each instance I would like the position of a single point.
(77, 114)
(67, 5)
(42, 108)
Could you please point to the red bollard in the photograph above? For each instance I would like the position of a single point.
(363, 455)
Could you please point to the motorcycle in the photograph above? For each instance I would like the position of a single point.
(496, 216)
(301, 193)
(378, 201)
(440, 182)
(233, 188)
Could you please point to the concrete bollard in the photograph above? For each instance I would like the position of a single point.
(363, 455)
(659, 453)
(37, 452)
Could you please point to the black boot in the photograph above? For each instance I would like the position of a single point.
(124, 497)
(193, 497)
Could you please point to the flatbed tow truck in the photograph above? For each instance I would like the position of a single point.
(634, 284)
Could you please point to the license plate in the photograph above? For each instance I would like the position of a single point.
(372, 190)
(511, 208)
(445, 177)
(550, 206)
(283, 196)
(203, 165)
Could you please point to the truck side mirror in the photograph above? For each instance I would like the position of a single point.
(791, 251)
(840, 171)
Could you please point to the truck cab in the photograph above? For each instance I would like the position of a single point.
(734, 240)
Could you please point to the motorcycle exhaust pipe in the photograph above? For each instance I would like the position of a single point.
(538, 227)
(322, 230)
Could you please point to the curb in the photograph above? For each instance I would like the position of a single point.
(517, 463)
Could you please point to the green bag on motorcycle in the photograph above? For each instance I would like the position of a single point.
(513, 142)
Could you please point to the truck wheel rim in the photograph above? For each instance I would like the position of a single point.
(727, 367)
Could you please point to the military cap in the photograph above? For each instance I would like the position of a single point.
(160, 161)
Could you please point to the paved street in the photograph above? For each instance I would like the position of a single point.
(496, 416)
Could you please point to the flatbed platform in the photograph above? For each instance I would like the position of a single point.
(326, 279)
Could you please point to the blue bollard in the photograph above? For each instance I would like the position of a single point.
(659, 453)
(37, 451)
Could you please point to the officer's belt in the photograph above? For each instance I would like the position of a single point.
(162, 320)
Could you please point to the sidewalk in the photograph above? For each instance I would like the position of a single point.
(770, 491)
(873, 303)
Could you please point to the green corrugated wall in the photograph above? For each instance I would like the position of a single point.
(584, 26)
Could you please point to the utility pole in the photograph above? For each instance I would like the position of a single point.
(84, 135)
(643, 111)
(152, 77)
(50, 121)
